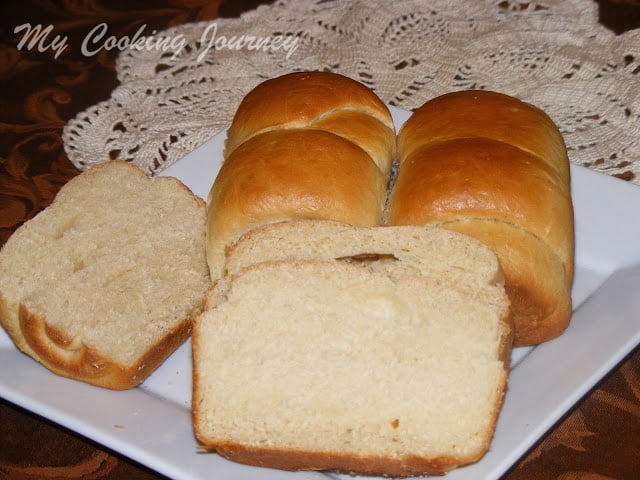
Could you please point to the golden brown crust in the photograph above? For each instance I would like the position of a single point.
(374, 137)
(298, 99)
(493, 167)
(291, 174)
(482, 178)
(492, 115)
(72, 358)
(257, 169)
(302, 145)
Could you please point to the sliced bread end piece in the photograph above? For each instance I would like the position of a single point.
(101, 286)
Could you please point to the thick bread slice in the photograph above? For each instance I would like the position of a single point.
(330, 366)
(101, 286)
(399, 250)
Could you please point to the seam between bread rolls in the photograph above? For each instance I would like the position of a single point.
(545, 303)
(428, 144)
(310, 121)
(371, 113)
(305, 106)
(315, 124)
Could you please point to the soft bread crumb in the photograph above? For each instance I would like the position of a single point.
(107, 277)
(310, 363)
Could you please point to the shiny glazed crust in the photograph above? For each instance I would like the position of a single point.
(489, 115)
(318, 100)
(491, 166)
(305, 145)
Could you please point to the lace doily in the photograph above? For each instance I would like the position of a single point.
(552, 53)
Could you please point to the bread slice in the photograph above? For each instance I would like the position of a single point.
(325, 364)
(101, 286)
(422, 250)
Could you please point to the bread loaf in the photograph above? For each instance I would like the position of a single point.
(322, 359)
(102, 285)
(305, 145)
(489, 165)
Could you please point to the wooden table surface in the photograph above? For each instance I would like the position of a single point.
(598, 439)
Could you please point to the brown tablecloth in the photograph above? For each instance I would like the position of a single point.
(597, 439)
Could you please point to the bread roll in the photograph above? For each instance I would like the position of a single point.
(321, 101)
(494, 167)
(380, 351)
(305, 145)
(101, 286)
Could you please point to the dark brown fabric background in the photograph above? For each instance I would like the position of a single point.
(599, 439)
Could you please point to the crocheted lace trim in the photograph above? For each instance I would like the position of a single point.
(552, 53)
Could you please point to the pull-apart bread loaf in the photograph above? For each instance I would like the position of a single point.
(496, 168)
(380, 350)
(102, 285)
(311, 145)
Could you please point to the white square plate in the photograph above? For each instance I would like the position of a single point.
(152, 424)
